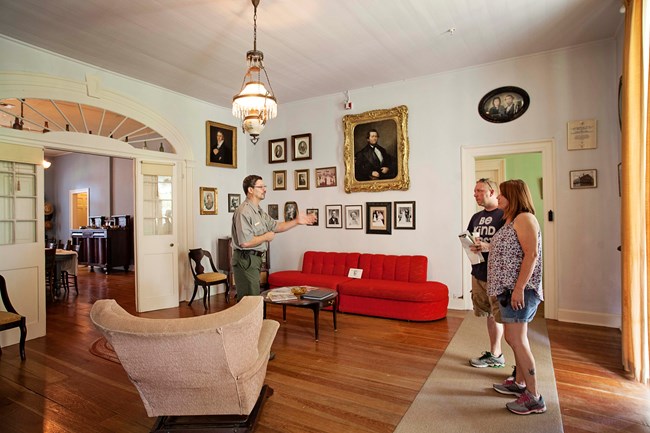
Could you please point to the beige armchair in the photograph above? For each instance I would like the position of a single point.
(207, 370)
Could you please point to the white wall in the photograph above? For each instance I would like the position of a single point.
(572, 84)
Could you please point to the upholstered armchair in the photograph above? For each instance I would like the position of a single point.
(212, 365)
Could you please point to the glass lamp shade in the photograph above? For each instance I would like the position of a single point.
(254, 98)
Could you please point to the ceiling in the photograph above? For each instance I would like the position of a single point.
(311, 47)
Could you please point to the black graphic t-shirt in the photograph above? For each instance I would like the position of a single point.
(486, 223)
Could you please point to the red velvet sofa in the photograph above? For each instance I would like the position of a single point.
(391, 286)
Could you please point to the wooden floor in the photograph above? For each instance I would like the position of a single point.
(360, 379)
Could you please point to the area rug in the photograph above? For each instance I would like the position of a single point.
(457, 398)
(103, 349)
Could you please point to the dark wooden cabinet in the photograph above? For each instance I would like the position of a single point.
(224, 262)
(106, 248)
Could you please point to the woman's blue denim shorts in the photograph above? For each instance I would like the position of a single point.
(525, 315)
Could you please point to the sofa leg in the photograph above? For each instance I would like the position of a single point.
(214, 423)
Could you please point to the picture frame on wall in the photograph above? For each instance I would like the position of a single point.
(354, 217)
(290, 210)
(581, 179)
(301, 179)
(404, 215)
(279, 180)
(273, 211)
(385, 130)
(220, 145)
(301, 147)
(208, 200)
(277, 150)
(378, 218)
(313, 212)
(333, 216)
(325, 177)
(234, 200)
(504, 104)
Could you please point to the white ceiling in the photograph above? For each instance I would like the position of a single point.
(311, 47)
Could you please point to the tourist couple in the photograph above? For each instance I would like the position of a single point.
(507, 286)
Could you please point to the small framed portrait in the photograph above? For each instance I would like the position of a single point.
(277, 150)
(354, 217)
(301, 146)
(280, 180)
(208, 200)
(290, 210)
(313, 212)
(334, 217)
(378, 218)
(581, 179)
(234, 200)
(376, 150)
(273, 211)
(325, 177)
(221, 145)
(301, 179)
(404, 215)
(504, 104)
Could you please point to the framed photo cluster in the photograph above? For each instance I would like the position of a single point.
(300, 148)
(380, 217)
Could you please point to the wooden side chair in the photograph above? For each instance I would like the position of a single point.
(50, 270)
(11, 319)
(65, 275)
(199, 259)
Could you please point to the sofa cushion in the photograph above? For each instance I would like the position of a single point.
(429, 291)
(297, 278)
(329, 263)
(396, 268)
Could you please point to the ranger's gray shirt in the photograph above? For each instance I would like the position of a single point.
(250, 221)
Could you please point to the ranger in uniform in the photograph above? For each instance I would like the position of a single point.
(252, 229)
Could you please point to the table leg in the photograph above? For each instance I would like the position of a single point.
(264, 314)
(316, 309)
(334, 308)
(284, 313)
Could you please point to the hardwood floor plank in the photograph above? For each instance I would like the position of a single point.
(359, 379)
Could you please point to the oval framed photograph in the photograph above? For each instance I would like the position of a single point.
(504, 104)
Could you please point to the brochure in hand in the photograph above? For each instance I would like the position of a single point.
(467, 240)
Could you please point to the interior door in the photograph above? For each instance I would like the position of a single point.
(22, 236)
(156, 244)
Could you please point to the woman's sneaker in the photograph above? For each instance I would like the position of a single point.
(509, 387)
(527, 404)
(488, 360)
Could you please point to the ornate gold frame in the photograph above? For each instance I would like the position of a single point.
(370, 119)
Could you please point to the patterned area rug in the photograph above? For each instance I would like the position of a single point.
(103, 349)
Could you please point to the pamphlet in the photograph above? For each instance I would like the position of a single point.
(355, 273)
(275, 296)
(467, 240)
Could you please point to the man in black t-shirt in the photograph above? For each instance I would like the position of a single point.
(486, 223)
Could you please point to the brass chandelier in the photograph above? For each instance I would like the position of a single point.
(254, 105)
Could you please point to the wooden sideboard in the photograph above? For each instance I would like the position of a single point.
(106, 248)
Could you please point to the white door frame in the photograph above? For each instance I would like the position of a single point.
(468, 157)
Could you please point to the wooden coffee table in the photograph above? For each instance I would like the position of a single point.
(313, 304)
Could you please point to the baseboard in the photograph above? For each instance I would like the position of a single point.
(589, 318)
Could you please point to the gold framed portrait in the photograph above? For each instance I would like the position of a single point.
(208, 201)
(220, 145)
(376, 150)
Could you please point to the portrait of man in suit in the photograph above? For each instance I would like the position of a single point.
(221, 145)
(376, 150)
(375, 161)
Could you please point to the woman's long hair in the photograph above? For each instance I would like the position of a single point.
(519, 199)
